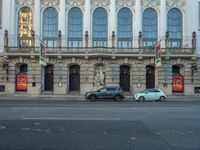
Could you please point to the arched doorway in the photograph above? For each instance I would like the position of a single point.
(125, 78)
(74, 78)
(21, 77)
(177, 79)
(49, 78)
(150, 76)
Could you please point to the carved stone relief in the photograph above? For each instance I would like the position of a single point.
(101, 3)
(45, 3)
(21, 3)
(25, 2)
(99, 76)
(150, 3)
(125, 3)
(72, 3)
(175, 3)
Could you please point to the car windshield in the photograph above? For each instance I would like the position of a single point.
(143, 91)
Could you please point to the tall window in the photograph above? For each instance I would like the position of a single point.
(75, 28)
(100, 27)
(149, 27)
(25, 26)
(50, 26)
(124, 28)
(174, 27)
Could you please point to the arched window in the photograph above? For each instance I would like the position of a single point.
(174, 28)
(75, 28)
(124, 28)
(100, 27)
(50, 26)
(25, 26)
(149, 27)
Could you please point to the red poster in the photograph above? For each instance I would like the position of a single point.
(177, 83)
(21, 83)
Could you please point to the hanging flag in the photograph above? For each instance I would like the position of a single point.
(157, 55)
(42, 53)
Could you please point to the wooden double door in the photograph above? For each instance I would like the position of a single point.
(74, 78)
(125, 78)
(49, 78)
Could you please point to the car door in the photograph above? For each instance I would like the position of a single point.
(150, 94)
(157, 94)
(110, 92)
(102, 93)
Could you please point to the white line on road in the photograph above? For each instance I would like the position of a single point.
(95, 119)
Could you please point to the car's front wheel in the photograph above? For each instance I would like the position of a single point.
(141, 98)
(162, 98)
(92, 98)
(117, 98)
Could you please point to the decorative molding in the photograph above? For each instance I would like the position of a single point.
(25, 2)
(125, 3)
(176, 3)
(101, 3)
(21, 3)
(150, 3)
(72, 3)
(50, 3)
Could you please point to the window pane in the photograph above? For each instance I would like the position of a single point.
(174, 27)
(100, 25)
(50, 26)
(25, 26)
(149, 27)
(75, 27)
(124, 28)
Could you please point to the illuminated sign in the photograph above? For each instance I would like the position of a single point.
(177, 83)
(22, 81)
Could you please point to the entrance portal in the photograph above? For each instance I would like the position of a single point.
(49, 79)
(177, 79)
(150, 76)
(125, 78)
(21, 77)
(74, 78)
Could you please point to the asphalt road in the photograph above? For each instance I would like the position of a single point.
(102, 125)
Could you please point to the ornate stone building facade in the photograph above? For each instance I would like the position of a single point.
(95, 43)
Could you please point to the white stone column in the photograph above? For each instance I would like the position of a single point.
(112, 21)
(13, 18)
(6, 13)
(163, 22)
(87, 22)
(6, 24)
(37, 23)
(138, 21)
(62, 21)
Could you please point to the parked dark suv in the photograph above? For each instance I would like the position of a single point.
(115, 93)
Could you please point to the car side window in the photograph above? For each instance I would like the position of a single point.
(110, 89)
(103, 90)
(149, 91)
(157, 91)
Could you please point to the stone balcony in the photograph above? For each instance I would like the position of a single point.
(88, 52)
(100, 51)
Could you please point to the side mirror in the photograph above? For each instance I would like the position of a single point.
(146, 92)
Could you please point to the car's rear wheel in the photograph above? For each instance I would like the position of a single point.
(117, 98)
(92, 98)
(162, 98)
(141, 98)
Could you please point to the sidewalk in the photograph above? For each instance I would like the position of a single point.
(82, 97)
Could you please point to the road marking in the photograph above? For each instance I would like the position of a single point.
(95, 119)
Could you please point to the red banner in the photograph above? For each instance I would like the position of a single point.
(177, 83)
(21, 82)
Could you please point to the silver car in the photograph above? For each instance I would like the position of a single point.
(150, 94)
